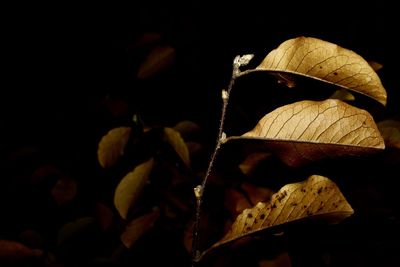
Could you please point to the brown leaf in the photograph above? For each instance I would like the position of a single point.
(390, 130)
(138, 227)
(251, 162)
(74, 229)
(129, 188)
(257, 193)
(104, 216)
(15, 252)
(64, 191)
(342, 94)
(186, 129)
(112, 145)
(376, 66)
(282, 260)
(316, 198)
(326, 62)
(310, 130)
(235, 202)
(159, 59)
(175, 140)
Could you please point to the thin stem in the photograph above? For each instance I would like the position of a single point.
(199, 190)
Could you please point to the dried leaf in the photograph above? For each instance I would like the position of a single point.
(316, 198)
(15, 252)
(175, 140)
(159, 59)
(74, 229)
(376, 66)
(64, 191)
(235, 202)
(138, 227)
(282, 260)
(310, 130)
(194, 148)
(187, 129)
(342, 94)
(327, 62)
(112, 145)
(390, 130)
(257, 193)
(147, 38)
(129, 188)
(251, 162)
(104, 216)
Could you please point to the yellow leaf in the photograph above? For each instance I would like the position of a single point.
(130, 187)
(310, 130)
(138, 227)
(390, 130)
(112, 145)
(316, 198)
(324, 61)
(175, 140)
(159, 59)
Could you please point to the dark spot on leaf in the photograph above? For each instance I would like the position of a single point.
(319, 190)
(319, 209)
(305, 206)
(309, 213)
(262, 217)
(273, 206)
(335, 73)
(249, 215)
(255, 221)
(293, 204)
(248, 228)
(303, 190)
(320, 67)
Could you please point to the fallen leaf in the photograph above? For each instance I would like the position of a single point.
(342, 94)
(251, 162)
(159, 59)
(15, 252)
(138, 227)
(390, 130)
(310, 130)
(175, 140)
(112, 145)
(130, 187)
(327, 62)
(316, 198)
(64, 191)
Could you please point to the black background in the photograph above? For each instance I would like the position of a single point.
(61, 61)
